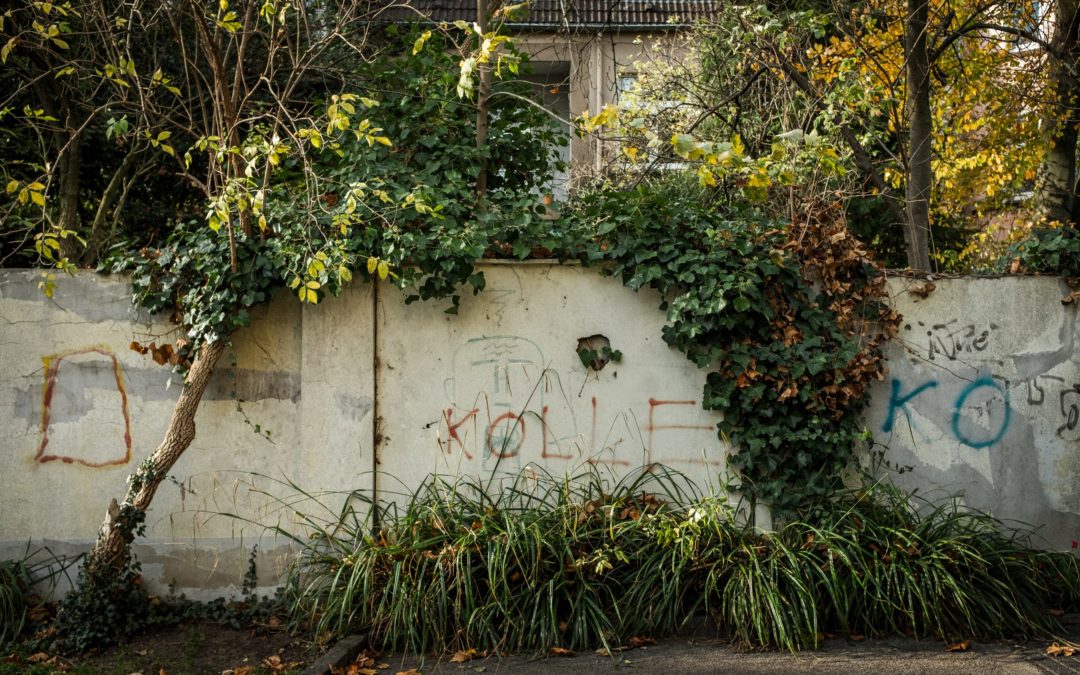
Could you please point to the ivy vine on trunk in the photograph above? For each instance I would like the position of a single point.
(122, 521)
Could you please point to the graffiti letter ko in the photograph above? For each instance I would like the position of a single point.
(962, 398)
(897, 401)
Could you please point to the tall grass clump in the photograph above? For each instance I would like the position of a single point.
(14, 587)
(543, 562)
(578, 563)
(20, 582)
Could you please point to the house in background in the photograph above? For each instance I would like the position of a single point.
(583, 53)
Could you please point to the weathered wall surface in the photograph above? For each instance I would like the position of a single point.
(365, 392)
(80, 410)
(500, 387)
(983, 397)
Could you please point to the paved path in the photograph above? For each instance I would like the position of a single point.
(901, 656)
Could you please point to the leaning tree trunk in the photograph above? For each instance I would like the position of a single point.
(1055, 189)
(920, 132)
(112, 550)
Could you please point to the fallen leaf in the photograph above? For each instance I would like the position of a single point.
(45, 633)
(856, 637)
(1057, 612)
(641, 641)
(410, 671)
(141, 652)
(39, 657)
(561, 651)
(40, 613)
(1061, 650)
(958, 646)
(461, 656)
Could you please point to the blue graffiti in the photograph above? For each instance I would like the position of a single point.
(962, 398)
(896, 401)
(899, 401)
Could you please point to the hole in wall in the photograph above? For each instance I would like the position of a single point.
(595, 352)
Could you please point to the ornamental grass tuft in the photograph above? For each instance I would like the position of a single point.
(581, 563)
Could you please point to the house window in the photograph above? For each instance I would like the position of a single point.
(624, 86)
(550, 82)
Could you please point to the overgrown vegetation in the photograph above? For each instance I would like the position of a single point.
(15, 584)
(788, 318)
(23, 582)
(577, 563)
(121, 609)
(762, 282)
(1054, 250)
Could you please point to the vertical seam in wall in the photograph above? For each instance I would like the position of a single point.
(303, 406)
(375, 404)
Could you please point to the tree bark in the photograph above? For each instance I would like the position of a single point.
(112, 549)
(483, 93)
(70, 168)
(920, 131)
(1055, 184)
(98, 239)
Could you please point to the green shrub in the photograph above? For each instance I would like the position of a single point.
(578, 564)
(1049, 251)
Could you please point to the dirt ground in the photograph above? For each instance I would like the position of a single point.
(195, 649)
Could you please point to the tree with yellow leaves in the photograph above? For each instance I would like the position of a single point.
(938, 104)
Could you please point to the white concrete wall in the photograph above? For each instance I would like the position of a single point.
(80, 410)
(982, 398)
(500, 387)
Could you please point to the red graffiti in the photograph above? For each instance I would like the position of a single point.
(653, 427)
(505, 436)
(544, 444)
(52, 373)
(611, 461)
(501, 448)
(452, 428)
